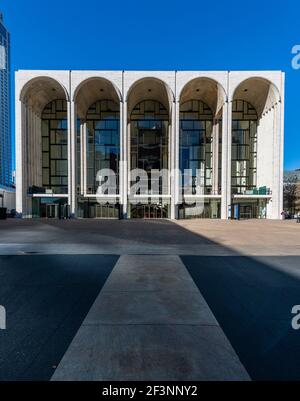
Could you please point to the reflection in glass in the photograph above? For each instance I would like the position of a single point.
(196, 142)
(103, 141)
(149, 137)
(55, 147)
(244, 147)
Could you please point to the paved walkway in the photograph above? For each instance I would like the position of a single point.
(150, 322)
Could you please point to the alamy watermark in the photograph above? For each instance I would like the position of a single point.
(296, 318)
(2, 318)
(145, 186)
(296, 58)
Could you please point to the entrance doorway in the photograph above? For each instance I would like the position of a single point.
(252, 209)
(149, 211)
(52, 211)
(50, 208)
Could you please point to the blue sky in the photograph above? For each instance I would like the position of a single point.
(164, 34)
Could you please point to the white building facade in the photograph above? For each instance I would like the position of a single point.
(229, 125)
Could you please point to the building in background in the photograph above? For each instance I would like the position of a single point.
(5, 118)
(227, 124)
(7, 192)
(291, 192)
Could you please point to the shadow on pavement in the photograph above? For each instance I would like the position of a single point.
(46, 299)
(252, 299)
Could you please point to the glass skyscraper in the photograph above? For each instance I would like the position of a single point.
(5, 133)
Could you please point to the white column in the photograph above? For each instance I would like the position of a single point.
(126, 163)
(72, 127)
(226, 159)
(173, 162)
(30, 159)
(84, 159)
(281, 107)
(215, 157)
(277, 164)
(20, 131)
(69, 154)
(176, 157)
(121, 166)
(82, 150)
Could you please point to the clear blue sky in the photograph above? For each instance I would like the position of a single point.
(164, 34)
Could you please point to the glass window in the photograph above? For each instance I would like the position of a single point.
(103, 142)
(149, 143)
(54, 146)
(196, 140)
(244, 147)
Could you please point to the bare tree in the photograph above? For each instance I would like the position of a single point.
(289, 196)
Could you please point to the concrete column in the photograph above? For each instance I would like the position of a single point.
(126, 161)
(35, 150)
(82, 150)
(121, 167)
(28, 158)
(226, 159)
(84, 132)
(173, 161)
(25, 134)
(20, 131)
(69, 154)
(215, 157)
(30, 148)
(176, 158)
(277, 194)
(72, 132)
(281, 143)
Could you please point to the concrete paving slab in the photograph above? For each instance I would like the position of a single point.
(154, 334)
(148, 274)
(152, 307)
(148, 352)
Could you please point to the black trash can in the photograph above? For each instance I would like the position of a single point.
(3, 211)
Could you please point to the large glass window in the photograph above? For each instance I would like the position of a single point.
(244, 147)
(55, 147)
(149, 137)
(196, 120)
(103, 141)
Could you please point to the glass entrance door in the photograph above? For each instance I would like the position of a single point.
(52, 211)
(149, 211)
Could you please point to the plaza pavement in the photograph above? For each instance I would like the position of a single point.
(187, 300)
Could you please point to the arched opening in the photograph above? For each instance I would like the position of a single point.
(45, 154)
(149, 132)
(253, 104)
(200, 147)
(98, 147)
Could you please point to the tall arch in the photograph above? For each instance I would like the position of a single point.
(149, 88)
(149, 111)
(255, 131)
(200, 144)
(38, 97)
(258, 91)
(98, 143)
